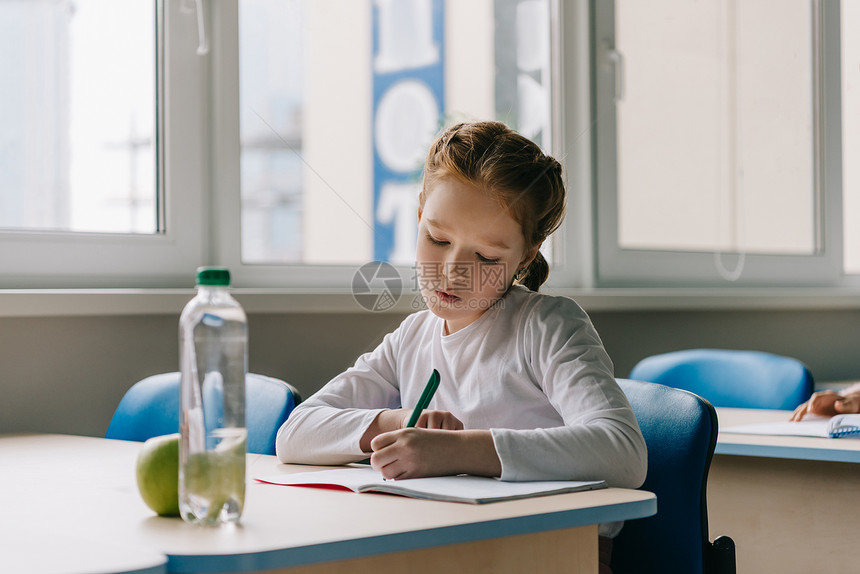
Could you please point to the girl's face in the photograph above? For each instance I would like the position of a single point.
(469, 250)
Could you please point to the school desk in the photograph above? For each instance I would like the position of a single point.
(58, 487)
(789, 503)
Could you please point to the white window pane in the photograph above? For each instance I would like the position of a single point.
(851, 132)
(340, 99)
(77, 124)
(716, 126)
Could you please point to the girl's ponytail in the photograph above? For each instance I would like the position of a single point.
(535, 274)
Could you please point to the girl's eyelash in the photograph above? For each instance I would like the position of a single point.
(481, 258)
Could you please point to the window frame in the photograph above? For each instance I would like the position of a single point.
(621, 267)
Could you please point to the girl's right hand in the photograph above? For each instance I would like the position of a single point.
(828, 404)
(419, 452)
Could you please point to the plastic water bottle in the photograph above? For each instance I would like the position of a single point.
(213, 359)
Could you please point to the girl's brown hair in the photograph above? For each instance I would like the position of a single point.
(511, 169)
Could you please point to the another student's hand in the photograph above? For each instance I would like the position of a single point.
(828, 403)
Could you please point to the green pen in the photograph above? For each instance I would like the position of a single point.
(428, 393)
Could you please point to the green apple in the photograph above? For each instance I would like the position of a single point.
(158, 474)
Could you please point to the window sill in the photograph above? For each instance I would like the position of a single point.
(708, 299)
(96, 302)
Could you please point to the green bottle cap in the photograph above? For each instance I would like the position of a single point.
(213, 276)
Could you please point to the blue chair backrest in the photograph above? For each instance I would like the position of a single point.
(151, 408)
(729, 378)
(680, 430)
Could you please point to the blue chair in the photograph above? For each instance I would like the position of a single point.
(151, 408)
(728, 378)
(680, 430)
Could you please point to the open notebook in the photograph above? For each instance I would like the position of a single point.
(838, 426)
(469, 489)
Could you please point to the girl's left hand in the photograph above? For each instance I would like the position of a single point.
(434, 420)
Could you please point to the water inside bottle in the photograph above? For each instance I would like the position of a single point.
(214, 480)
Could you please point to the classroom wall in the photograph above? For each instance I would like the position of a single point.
(67, 374)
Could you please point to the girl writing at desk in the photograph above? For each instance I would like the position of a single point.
(527, 390)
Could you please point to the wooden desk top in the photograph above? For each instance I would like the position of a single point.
(33, 550)
(66, 485)
(788, 447)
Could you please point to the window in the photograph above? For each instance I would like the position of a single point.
(719, 142)
(89, 197)
(850, 17)
(338, 103)
(78, 159)
(291, 150)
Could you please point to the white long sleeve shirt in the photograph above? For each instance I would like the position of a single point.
(531, 369)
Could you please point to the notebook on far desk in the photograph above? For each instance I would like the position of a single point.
(839, 426)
